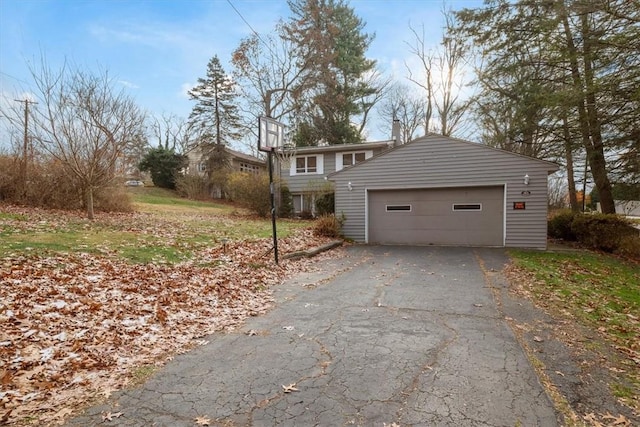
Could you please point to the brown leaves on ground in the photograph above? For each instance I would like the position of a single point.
(74, 325)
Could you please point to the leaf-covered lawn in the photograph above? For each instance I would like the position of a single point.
(84, 306)
(600, 291)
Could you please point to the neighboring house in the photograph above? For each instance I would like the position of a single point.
(625, 207)
(437, 190)
(240, 162)
(306, 170)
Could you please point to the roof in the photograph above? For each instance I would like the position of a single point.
(244, 156)
(343, 147)
(237, 154)
(551, 167)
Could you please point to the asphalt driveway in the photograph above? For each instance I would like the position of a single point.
(384, 335)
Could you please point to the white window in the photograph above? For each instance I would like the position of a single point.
(344, 160)
(307, 165)
(202, 167)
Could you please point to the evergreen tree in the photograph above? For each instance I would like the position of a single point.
(164, 166)
(561, 77)
(331, 49)
(215, 116)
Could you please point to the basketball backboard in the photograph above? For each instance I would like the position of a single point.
(270, 134)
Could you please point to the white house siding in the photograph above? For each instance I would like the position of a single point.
(435, 161)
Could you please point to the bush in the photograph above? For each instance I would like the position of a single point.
(629, 246)
(328, 226)
(251, 191)
(112, 199)
(325, 204)
(286, 202)
(559, 226)
(192, 186)
(602, 231)
(51, 185)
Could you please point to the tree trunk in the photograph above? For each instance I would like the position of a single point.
(592, 143)
(90, 203)
(597, 161)
(568, 154)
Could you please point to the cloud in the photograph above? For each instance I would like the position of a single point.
(128, 84)
(184, 90)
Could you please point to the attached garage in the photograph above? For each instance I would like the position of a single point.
(470, 216)
(438, 190)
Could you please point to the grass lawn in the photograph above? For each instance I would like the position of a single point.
(164, 228)
(599, 291)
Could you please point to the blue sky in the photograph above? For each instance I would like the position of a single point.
(157, 49)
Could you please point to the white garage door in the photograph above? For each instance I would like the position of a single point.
(451, 216)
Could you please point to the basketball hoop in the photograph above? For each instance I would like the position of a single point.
(285, 154)
(270, 134)
(270, 138)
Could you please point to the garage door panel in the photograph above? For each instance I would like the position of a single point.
(432, 219)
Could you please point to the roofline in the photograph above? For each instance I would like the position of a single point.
(554, 166)
(343, 147)
(238, 154)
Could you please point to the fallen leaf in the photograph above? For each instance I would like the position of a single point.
(537, 339)
(289, 388)
(620, 420)
(109, 416)
(203, 421)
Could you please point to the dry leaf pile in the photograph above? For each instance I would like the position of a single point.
(72, 326)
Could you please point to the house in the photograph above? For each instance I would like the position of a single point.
(198, 164)
(306, 169)
(438, 190)
(240, 162)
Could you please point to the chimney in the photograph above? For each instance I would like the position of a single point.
(395, 132)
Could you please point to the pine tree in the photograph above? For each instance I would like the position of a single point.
(215, 116)
(331, 49)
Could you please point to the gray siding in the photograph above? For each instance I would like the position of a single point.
(439, 162)
(310, 182)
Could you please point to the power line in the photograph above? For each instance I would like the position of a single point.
(251, 28)
(13, 77)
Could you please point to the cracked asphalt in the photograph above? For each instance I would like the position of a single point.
(384, 335)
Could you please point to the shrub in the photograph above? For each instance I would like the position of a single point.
(286, 202)
(325, 204)
(192, 186)
(306, 214)
(559, 226)
(602, 231)
(251, 191)
(113, 199)
(629, 246)
(328, 226)
(51, 185)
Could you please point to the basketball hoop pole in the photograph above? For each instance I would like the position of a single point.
(270, 137)
(273, 205)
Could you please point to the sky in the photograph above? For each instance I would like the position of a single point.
(157, 49)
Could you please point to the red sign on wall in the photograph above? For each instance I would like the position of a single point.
(519, 206)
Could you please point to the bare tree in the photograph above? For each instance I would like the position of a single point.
(427, 59)
(85, 124)
(441, 78)
(269, 78)
(370, 99)
(402, 105)
(172, 132)
(451, 59)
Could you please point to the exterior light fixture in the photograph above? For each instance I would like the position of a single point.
(526, 179)
(349, 186)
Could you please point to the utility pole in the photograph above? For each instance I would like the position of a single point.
(25, 147)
